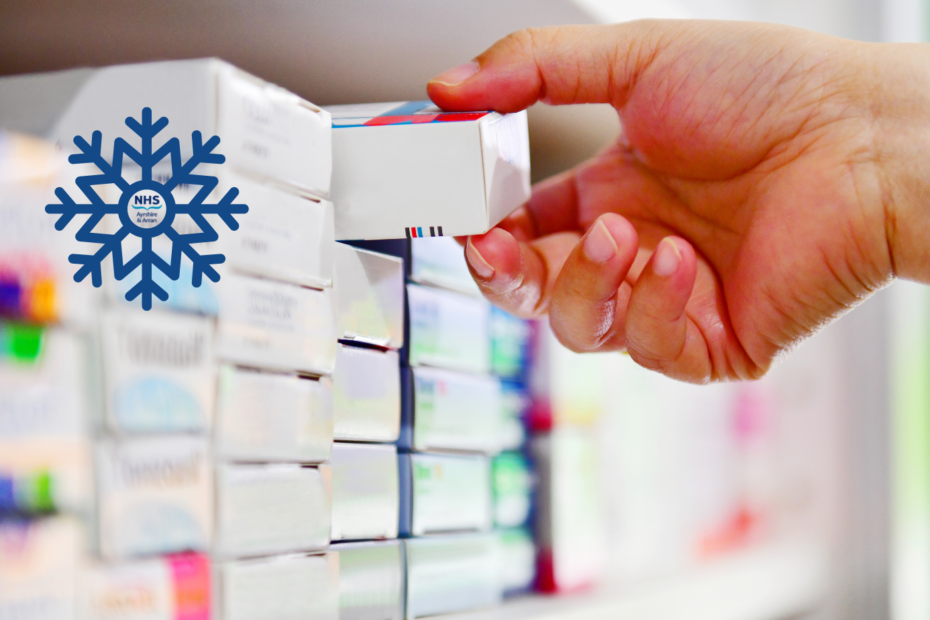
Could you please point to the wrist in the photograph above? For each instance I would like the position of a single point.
(901, 108)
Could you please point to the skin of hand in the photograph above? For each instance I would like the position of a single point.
(766, 180)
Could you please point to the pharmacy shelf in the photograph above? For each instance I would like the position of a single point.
(770, 582)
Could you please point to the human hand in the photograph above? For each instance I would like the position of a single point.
(766, 180)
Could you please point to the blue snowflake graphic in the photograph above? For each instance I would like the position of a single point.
(152, 211)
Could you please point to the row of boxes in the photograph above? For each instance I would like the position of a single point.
(204, 441)
(392, 169)
(46, 575)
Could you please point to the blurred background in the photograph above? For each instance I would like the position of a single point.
(823, 473)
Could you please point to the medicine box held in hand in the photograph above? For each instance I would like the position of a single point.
(412, 170)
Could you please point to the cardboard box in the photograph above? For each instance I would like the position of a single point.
(409, 169)
(512, 485)
(371, 580)
(369, 291)
(267, 509)
(276, 326)
(290, 587)
(155, 496)
(510, 344)
(36, 279)
(570, 517)
(44, 390)
(40, 561)
(447, 574)
(159, 371)
(440, 262)
(175, 587)
(43, 475)
(287, 235)
(447, 330)
(517, 560)
(445, 410)
(45, 450)
(444, 493)
(432, 261)
(263, 129)
(366, 495)
(515, 405)
(366, 394)
(264, 416)
(567, 388)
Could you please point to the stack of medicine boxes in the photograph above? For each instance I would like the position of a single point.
(46, 478)
(369, 290)
(166, 495)
(461, 472)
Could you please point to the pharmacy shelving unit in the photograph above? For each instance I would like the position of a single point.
(774, 581)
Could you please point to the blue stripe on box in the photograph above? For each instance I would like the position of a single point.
(405, 479)
(405, 439)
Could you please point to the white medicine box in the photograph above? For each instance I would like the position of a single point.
(412, 170)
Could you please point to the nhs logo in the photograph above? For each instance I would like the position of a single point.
(146, 201)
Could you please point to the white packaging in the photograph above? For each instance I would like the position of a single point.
(286, 235)
(266, 509)
(291, 587)
(44, 474)
(275, 325)
(407, 168)
(45, 451)
(448, 330)
(453, 411)
(263, 129)
(366, 395)
(444, 493)
(371, 580)
(155, 495)
(264, 416)
(40, 561)
(159, 371)
(447, 574)
(570, 515)
(43, 383)
(369, 290)
(440, 261)
(517, 560)
(167, 588)
(365, 485)
(36, 274)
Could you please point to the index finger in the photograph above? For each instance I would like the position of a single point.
(557, 65)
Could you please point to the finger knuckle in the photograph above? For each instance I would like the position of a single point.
(521, 40)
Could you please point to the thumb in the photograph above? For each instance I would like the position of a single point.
(557, 65)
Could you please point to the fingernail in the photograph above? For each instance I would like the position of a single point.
(667, 258)
(477, 262)
(457, 75)
(599, 245)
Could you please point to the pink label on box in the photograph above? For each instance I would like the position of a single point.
(191, 576)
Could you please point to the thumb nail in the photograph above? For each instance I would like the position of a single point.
(457, 75)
